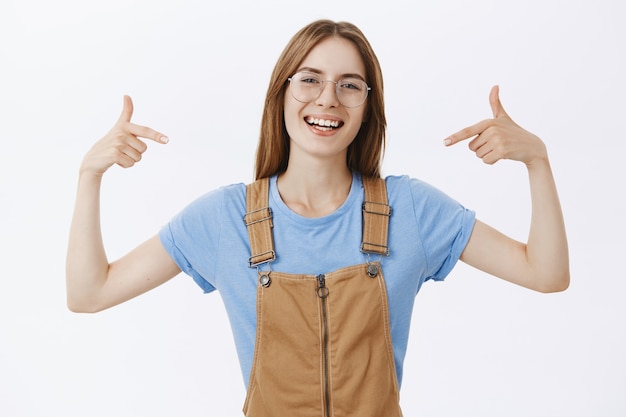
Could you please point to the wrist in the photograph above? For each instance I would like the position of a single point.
(89, 177)
(88, 170)
(539, 167)
(540, 157)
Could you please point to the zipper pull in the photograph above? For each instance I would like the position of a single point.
(322, 290)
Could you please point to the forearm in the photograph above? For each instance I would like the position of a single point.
(542, 263)
(546, 250)
(86, 263)
(92, 282)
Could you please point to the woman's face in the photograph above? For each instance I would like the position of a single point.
(324, 128)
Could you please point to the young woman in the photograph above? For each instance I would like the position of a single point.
(319, 261)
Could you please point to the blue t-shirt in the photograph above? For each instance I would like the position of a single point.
(427, 233)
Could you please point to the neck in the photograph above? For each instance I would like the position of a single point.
(315, 188)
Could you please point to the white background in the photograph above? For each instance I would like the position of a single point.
(198, 72)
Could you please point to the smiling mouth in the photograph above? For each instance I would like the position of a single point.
(323, 124)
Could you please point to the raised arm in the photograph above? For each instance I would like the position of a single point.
(541, 264)
(92, 283)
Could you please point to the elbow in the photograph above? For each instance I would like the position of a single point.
(554, 288)
(554, 283)
(80, 298)
(77, 304)
(76, 307)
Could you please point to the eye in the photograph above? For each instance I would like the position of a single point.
(355, 85)
(308, 79)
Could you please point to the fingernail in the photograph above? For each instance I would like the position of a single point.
(447, 141)
(164, 139)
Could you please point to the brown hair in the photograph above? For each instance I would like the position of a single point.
(366, 151)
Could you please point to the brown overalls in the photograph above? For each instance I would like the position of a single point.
(323, 344)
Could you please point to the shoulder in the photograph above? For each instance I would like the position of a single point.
(403, 187)
(227, 193)
(425, 200)
(216, 201)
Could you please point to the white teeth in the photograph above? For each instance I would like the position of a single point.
(322, 122)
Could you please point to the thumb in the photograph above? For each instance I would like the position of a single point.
(127, 110)
(496, 105)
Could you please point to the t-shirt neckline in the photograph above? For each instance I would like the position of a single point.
(354, 197)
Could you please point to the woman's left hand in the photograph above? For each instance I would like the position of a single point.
(500, 137)
(542, 263)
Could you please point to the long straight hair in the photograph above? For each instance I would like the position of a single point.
(366, 150)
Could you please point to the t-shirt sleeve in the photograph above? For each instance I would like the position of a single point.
(444, 227)
(192, 235)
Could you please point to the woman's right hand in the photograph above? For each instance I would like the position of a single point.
(93, 283)
(121, 145)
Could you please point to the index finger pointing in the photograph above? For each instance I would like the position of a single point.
(468, 132)
(148, 133)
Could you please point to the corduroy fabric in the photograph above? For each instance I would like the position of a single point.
(332, 352)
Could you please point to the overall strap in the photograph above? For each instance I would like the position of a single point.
(259, 222)
(376, 213)
(258, 219)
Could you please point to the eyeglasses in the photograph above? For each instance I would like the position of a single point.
(306, 87)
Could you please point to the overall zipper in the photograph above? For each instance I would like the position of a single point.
(322, 293)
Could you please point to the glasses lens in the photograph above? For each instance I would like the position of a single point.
(306, 87)
(351, 92)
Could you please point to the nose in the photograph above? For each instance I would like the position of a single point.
(328, 95)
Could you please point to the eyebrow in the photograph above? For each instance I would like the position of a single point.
(316, 71)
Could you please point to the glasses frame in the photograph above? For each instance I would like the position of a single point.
(367, 90)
